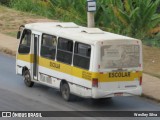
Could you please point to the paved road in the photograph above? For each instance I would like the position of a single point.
(14, 95)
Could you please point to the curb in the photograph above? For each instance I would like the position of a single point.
(7, 51)
(150, 97)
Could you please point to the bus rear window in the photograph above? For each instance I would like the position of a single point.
(120, 56)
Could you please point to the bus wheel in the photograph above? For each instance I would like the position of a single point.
(65, 91)
(27, 79)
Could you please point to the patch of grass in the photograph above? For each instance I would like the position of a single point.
(5, 2)
(12, 34)
(33, 6)
(152, 41)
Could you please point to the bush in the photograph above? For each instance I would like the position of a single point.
(34, 6)
(5, 2)
(152, 41)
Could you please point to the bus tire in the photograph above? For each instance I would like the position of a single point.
(65, 91)
(27, 79)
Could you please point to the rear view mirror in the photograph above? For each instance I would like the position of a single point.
(18, 34)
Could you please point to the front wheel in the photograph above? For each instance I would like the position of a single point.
(27, 79)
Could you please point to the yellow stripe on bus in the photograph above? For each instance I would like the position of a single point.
(80, 73)
(25, 57)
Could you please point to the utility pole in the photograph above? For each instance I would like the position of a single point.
(91, 21)
(91, 9)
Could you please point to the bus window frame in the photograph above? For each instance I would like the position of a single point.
(82, 55)
(21, 38)
(55, 46)
(71, 62)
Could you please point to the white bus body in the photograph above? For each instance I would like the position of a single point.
(87, 62)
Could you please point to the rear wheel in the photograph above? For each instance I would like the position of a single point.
(27, 79)
(65, 91)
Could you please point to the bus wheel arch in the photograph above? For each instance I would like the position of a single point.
(24, 69)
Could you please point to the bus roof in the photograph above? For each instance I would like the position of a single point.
(72, 31)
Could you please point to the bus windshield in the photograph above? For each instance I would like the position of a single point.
(120, 56)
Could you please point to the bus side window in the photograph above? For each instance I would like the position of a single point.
(24, 47)
(48, 46)
(65, 50)
(82, 55)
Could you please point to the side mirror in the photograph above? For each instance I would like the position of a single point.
(18, 34)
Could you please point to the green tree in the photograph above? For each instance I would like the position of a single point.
(137, 18)
(70, 10)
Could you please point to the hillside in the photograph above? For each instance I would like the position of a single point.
(10, 20)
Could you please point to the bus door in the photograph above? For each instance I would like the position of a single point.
(35, 57)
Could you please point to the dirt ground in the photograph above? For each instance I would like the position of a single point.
(151, 60)
(10, 20)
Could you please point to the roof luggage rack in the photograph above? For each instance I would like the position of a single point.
(92, 31)
(67, 25)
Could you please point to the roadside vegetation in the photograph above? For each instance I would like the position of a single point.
(135, 18)
(112, 15)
